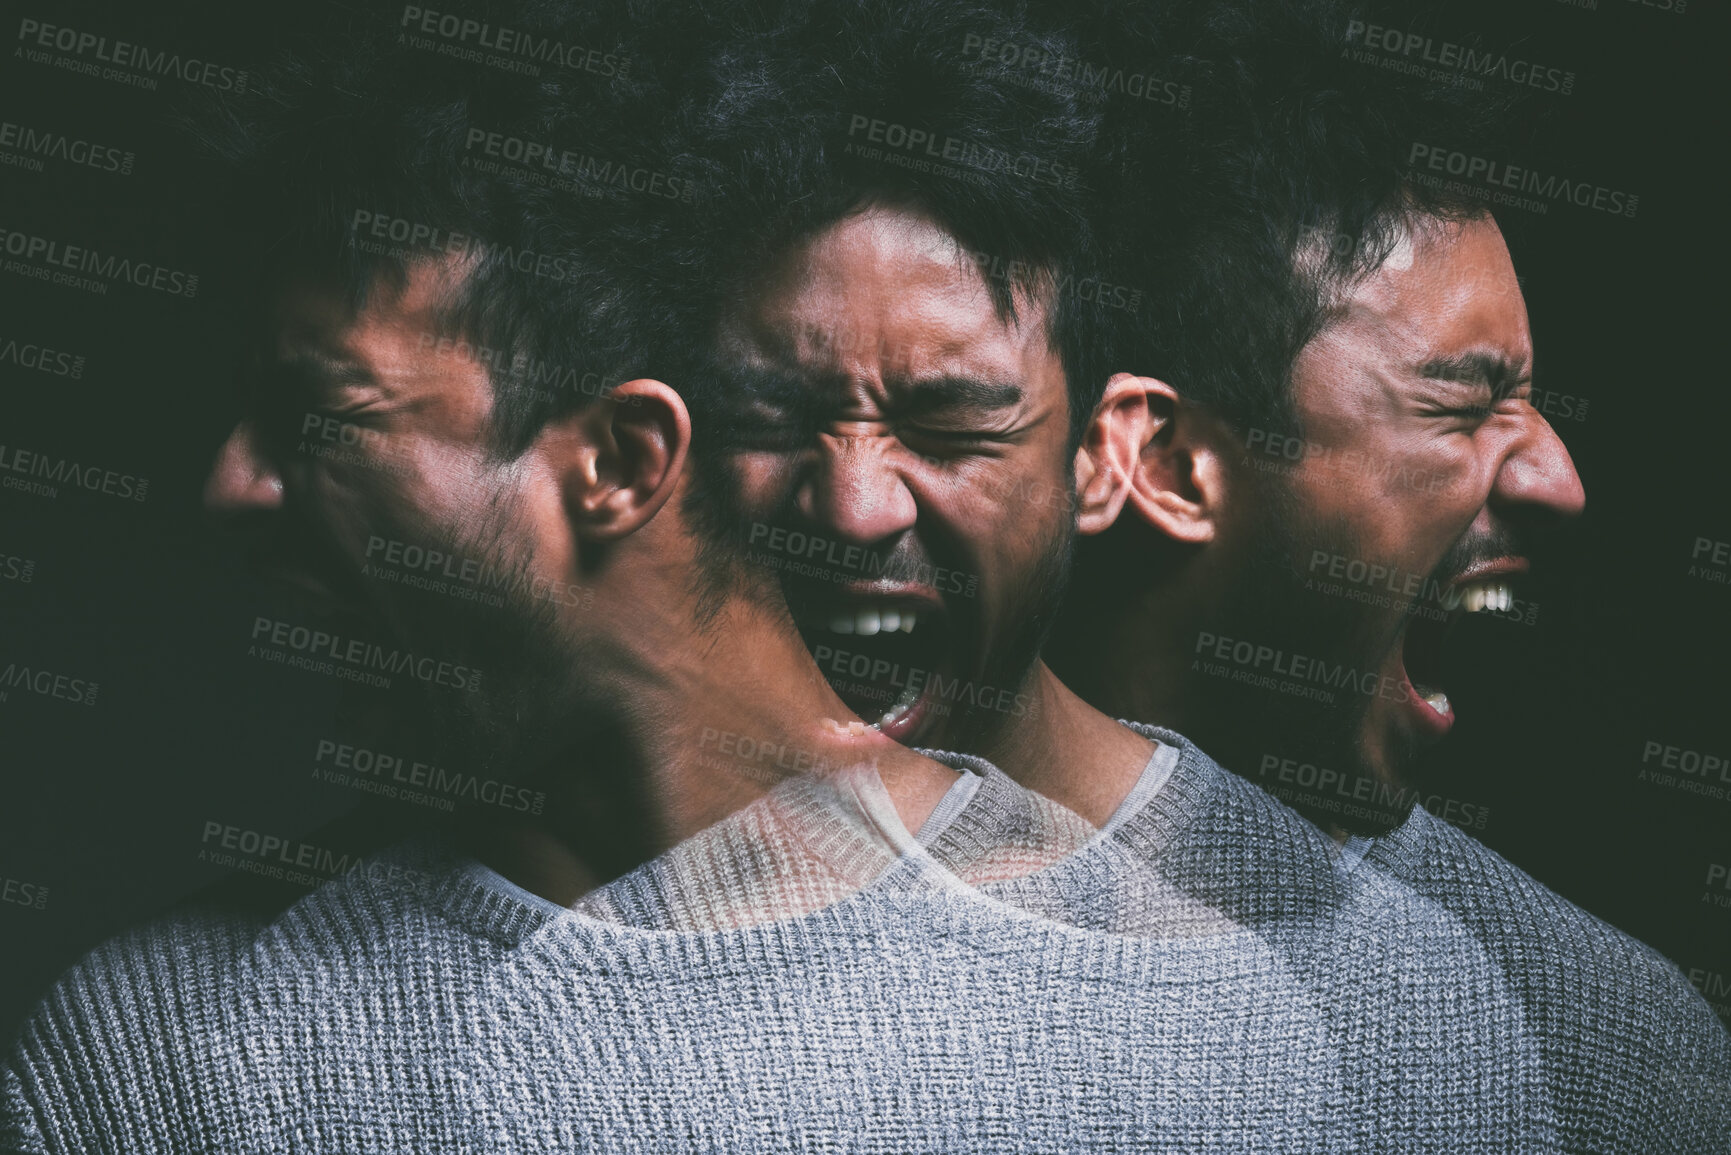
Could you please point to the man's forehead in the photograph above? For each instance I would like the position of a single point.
(890, 297)
(1449, 290)
(314, 316)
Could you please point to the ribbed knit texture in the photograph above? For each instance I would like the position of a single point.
(1209, 978)
(1633, 1058)
(424, 1004)
(1004, 831)
(803, 847)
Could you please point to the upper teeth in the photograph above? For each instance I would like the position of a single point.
(871, 619)
(1484, 594)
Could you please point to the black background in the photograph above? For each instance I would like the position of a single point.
(105, 805)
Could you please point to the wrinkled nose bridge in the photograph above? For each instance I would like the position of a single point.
(855, 488)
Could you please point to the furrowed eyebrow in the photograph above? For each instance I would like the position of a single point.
(781, 388)
(805, 393)
(315, 369)
(939, 392)
(1487, 369)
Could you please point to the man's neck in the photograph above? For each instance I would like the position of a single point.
(693, 727)
(1065, 749)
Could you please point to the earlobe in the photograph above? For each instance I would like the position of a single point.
(633, 446)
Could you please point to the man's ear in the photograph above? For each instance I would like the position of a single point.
(625, 459)
(1145, 447)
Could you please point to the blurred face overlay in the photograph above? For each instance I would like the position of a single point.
(361, 474)
(901, 461)
(1409, 500)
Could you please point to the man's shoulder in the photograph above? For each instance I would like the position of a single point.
(1621, 1024)
(1541, 927)
(188, 999)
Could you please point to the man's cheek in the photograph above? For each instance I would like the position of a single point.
(762, 481)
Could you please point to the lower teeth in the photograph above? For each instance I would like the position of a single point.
(1438, 701)
(898, 709)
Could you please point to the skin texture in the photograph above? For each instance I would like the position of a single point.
(602, 683)
(905, 417)
(1420, 453)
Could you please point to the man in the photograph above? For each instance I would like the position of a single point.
(901, 301)
(1326, 456)
(883, 404)
(626, 666)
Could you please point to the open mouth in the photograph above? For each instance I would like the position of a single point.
(1429, 633)
(883, 654)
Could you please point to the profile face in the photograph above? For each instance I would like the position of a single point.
(1424, 473)
(360, 474)
(901, 464)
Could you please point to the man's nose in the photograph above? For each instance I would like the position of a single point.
(856, 491)
(1539, 474)
(242, 478)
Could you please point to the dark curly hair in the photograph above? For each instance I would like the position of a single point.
(781, 96)
(1288, 181)
(371, 143)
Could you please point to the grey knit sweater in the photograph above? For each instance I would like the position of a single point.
(1591, 1041)
(425, 1004)
(1229, 1000)
(1633, 1058)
